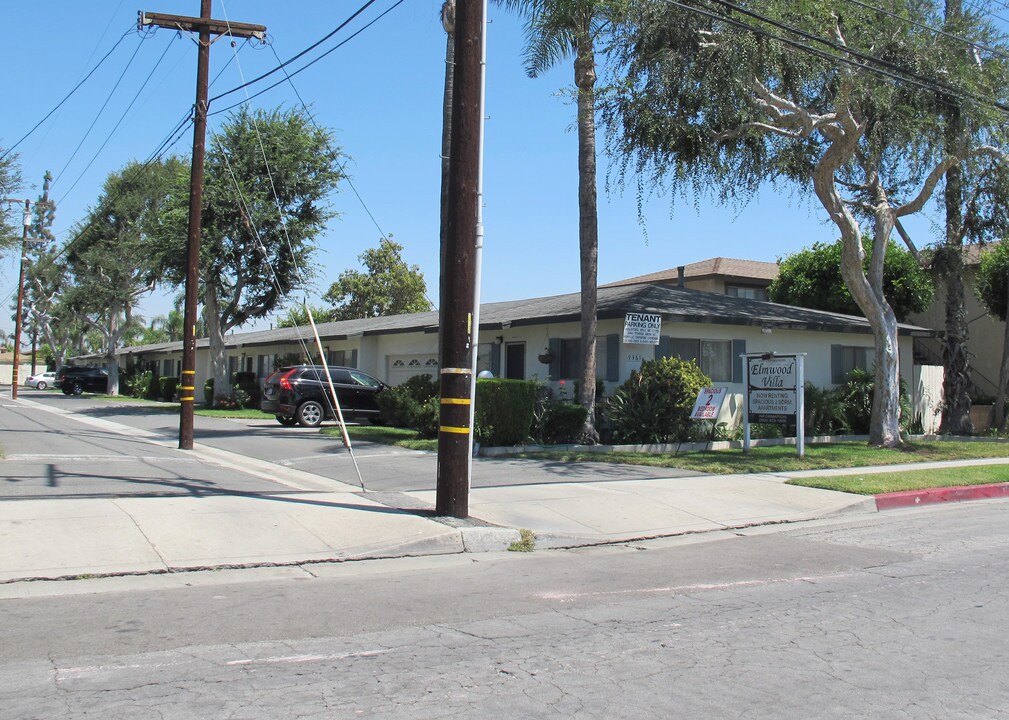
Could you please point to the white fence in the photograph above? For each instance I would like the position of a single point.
(7, 372)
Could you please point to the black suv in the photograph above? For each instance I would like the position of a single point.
(300, 394)
(73, 380)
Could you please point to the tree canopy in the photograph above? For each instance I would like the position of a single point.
(992, 282)
(268, 175)
(812, 278)
(10, 183)
(388, 286)
(840, 102)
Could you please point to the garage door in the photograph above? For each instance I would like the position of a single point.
(404, 367)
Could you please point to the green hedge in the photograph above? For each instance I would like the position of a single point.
(504, 410)
(563, 423)
(168, 386)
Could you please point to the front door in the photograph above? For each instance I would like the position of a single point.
(515, 361)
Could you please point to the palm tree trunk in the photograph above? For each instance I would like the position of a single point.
(588, 230)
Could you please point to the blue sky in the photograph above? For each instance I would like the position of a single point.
(381, 94)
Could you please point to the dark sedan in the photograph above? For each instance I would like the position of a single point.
(300, 394)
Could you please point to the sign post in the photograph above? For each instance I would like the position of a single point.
(774, 394)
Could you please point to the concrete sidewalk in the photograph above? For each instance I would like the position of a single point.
(300, 518)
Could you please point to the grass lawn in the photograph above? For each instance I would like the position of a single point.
(242, 413)
(873, 484)
(401, 437)
(782, 458)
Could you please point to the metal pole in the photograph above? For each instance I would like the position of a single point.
(800, 404)
(187, 390)
(457, 276)
(21, 302)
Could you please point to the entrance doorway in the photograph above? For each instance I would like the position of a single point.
(515, 361)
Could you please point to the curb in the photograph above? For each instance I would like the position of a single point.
(913, 498)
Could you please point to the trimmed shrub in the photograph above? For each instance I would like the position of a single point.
(504, 410)
(653, 405)
(208, 393)
(398, 408)
(563, 423)
(426, 419)
(168, 386)
(420, 387)
(247, 390)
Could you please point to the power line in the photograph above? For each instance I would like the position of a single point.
(118, 123)
(302, 53)
(99, 114)
(304, 67)
(68, 95)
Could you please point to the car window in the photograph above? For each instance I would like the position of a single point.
(341, 376)
(359, 378)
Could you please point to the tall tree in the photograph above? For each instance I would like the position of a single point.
(58, 323)
(556, 30)
(721, 103)
(267, 177)
(388, 287)
(993, 290)
(812, 278)
(111, 254)
(10, 184)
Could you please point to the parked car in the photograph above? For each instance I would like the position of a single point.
(300, 394)
(42, 380)
(74, 380)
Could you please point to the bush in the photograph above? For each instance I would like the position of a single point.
(168, 386)
(563, 423)
(857, 394)
(140, 384)
(426, 420)
(825, 411)
(208, 393)
(246, 389)
(420, 387)
(398, 408)
(504, 410)
(653, 405)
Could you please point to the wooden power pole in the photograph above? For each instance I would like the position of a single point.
(458, 271)
(205, 26)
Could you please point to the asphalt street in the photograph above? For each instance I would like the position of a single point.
(383, 468)
(897, 615)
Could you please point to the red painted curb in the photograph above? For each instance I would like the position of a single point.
(910, 498)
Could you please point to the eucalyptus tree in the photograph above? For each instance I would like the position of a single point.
(558, 30)
(267, 178)
(49, 309)
(110, 255)
(836, 101)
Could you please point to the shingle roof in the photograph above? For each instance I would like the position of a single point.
(674, 304)
(719, 266)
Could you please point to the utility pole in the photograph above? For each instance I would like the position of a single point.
(205, 26)
(458, 271)
(27, 223)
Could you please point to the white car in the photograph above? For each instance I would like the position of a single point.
(42, 380)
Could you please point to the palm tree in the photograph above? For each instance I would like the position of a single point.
(556, 30)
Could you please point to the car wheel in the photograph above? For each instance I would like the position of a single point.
(286, 420)
(76, 389)
(40, 385)
(66, 391)
(310, 414)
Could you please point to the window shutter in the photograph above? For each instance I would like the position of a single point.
(738, 348)
(665, 347)
(837, 364)
(555, 350)
(613, 358)
(495, 359)
(353, 358)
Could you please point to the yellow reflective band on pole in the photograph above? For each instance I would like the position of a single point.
(188, 372)
(455, 401)
(187, 387)
(456, 430)
(186, 399)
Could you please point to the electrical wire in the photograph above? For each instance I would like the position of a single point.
(118, 123)
(67, 96)
(311, 47)
(304, 67)
(98, 115)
